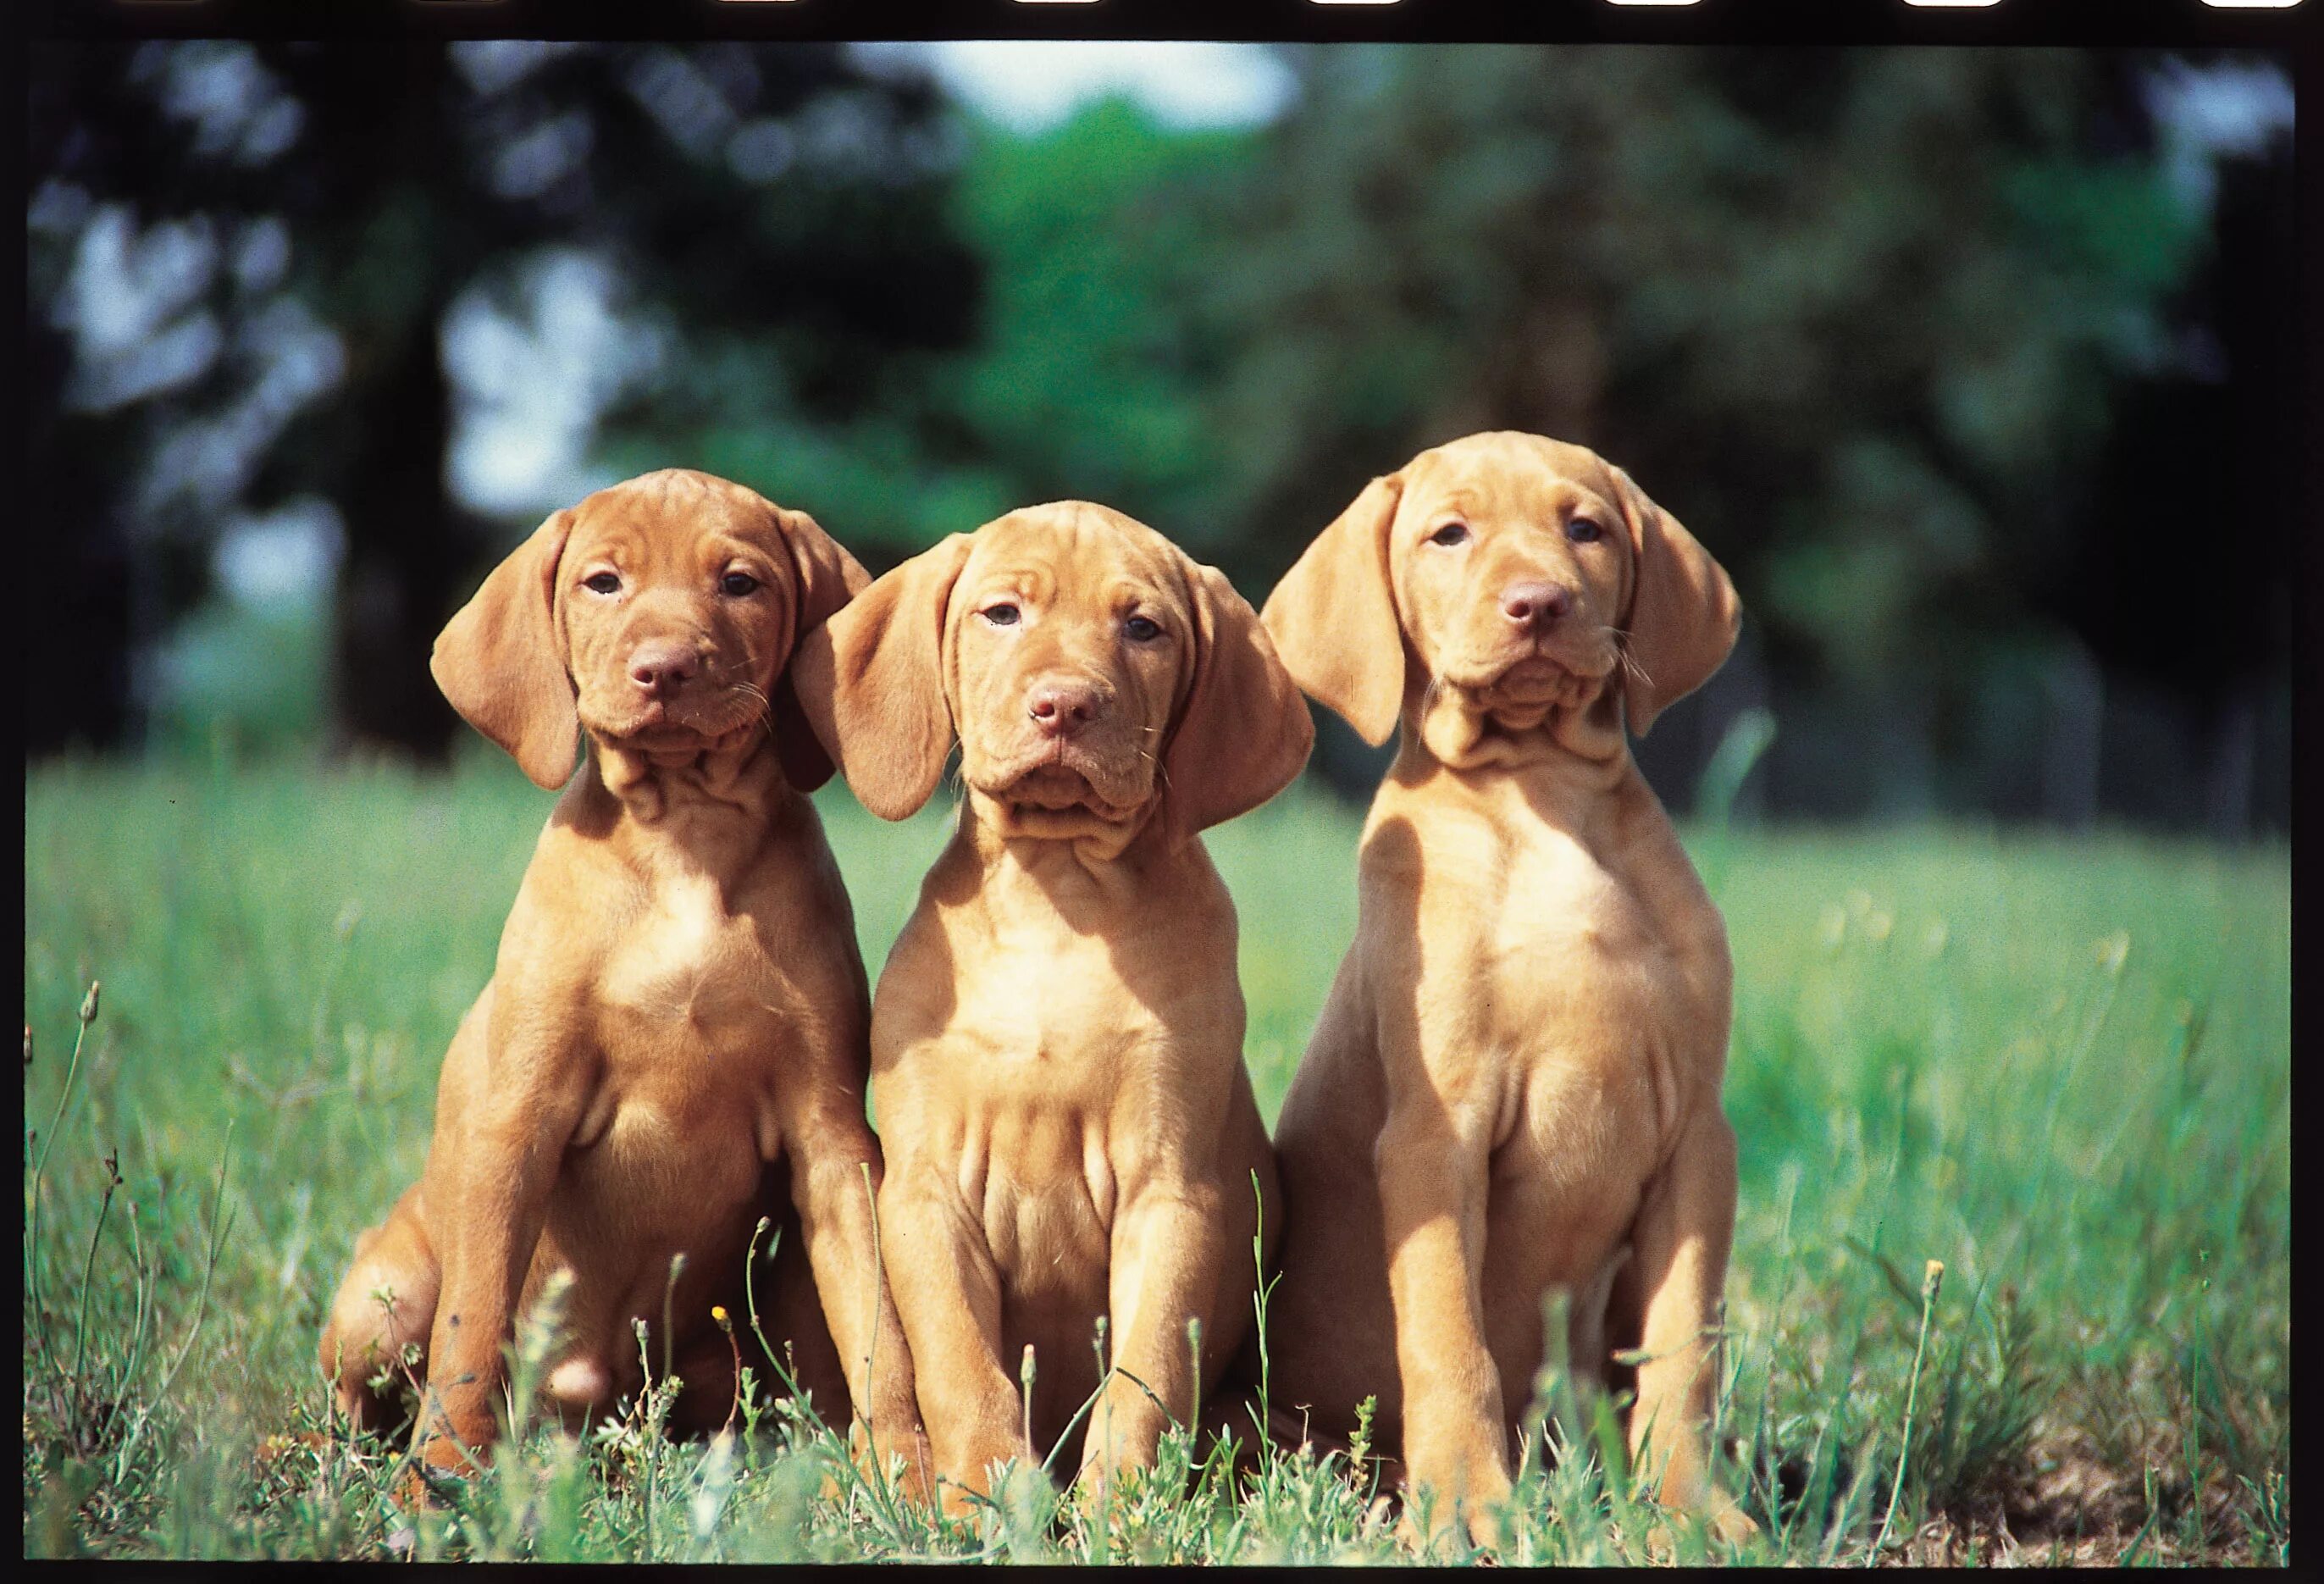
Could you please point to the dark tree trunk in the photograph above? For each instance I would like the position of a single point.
(408, 547)
(407, 554)
(2228, 771)
(79, 558)
(2075, 692)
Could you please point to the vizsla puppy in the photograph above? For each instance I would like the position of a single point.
(673, 1040)
(1513, 1086)
(1056, 1041)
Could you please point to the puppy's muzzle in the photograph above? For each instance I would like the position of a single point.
(1063, 709)
(1535, 607)
(661, 667)
(1066, 750)
(673, 696)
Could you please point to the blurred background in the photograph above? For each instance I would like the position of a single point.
(1974, 367)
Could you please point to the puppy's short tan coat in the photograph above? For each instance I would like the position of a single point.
(1057, 1035)
(673, 1042)
(1514, 1083)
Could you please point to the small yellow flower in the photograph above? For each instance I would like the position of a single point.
(718, 1313)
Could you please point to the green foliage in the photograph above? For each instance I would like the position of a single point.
(1857, 320)
(1853, 320)
(2061, 1067)
(1081, 386)
(305, 226)
(1862, 318)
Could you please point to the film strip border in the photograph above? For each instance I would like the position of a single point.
(2101, 23)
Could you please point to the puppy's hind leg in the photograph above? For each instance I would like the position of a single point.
(385, 1303)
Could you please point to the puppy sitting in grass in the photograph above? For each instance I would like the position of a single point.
(672, 1043)
(1058, 1037)
(1513, 1088)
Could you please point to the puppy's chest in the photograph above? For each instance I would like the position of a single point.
(1024, 1001)
(687, 975)
(1558, 939)
(1044, 1082)
(1053, 1034)
(1548, 962)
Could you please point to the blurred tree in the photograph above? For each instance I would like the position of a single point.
(1932, 347)
(1860, 316)
(311, 215)
(91, 403)
(80, 554)
(1854, 315)
(1083, 383)
(2184, 555)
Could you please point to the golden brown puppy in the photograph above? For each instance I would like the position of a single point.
(673, 1042)
(1056, 1041)
(1513, 1086)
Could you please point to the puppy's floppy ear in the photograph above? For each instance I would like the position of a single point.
(1334, 616)
(1244, 732)
(1684, 614)
(500, 660)
(828, 578)
(870, 682)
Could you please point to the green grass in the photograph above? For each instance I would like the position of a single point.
(2061, 1067)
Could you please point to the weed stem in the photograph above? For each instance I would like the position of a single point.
(41, 1167)
(1934, 1279)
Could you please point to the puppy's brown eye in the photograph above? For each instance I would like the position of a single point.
(1143, 629)
(738, 584)
(604, 583)
(1001, 615)
(1582, 531)
(1451, 534)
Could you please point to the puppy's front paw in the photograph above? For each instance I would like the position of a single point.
(412, 1492)
(1721, 1518)
(1099, 1487)
(968, 1480)
(1475, 1519)
(873, 1449)
(917, 1479)
(1468, 1498)
(1730, 1523)
(430, 1479)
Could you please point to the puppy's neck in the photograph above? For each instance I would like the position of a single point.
(1053, 841)
(1582, 741)
(737, 778)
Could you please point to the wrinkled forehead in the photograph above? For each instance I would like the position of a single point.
(1073, 552)
(675, 516)
(1499, 477)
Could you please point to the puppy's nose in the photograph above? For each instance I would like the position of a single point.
(1537, 605)
(1060, 709)
(662, 665)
